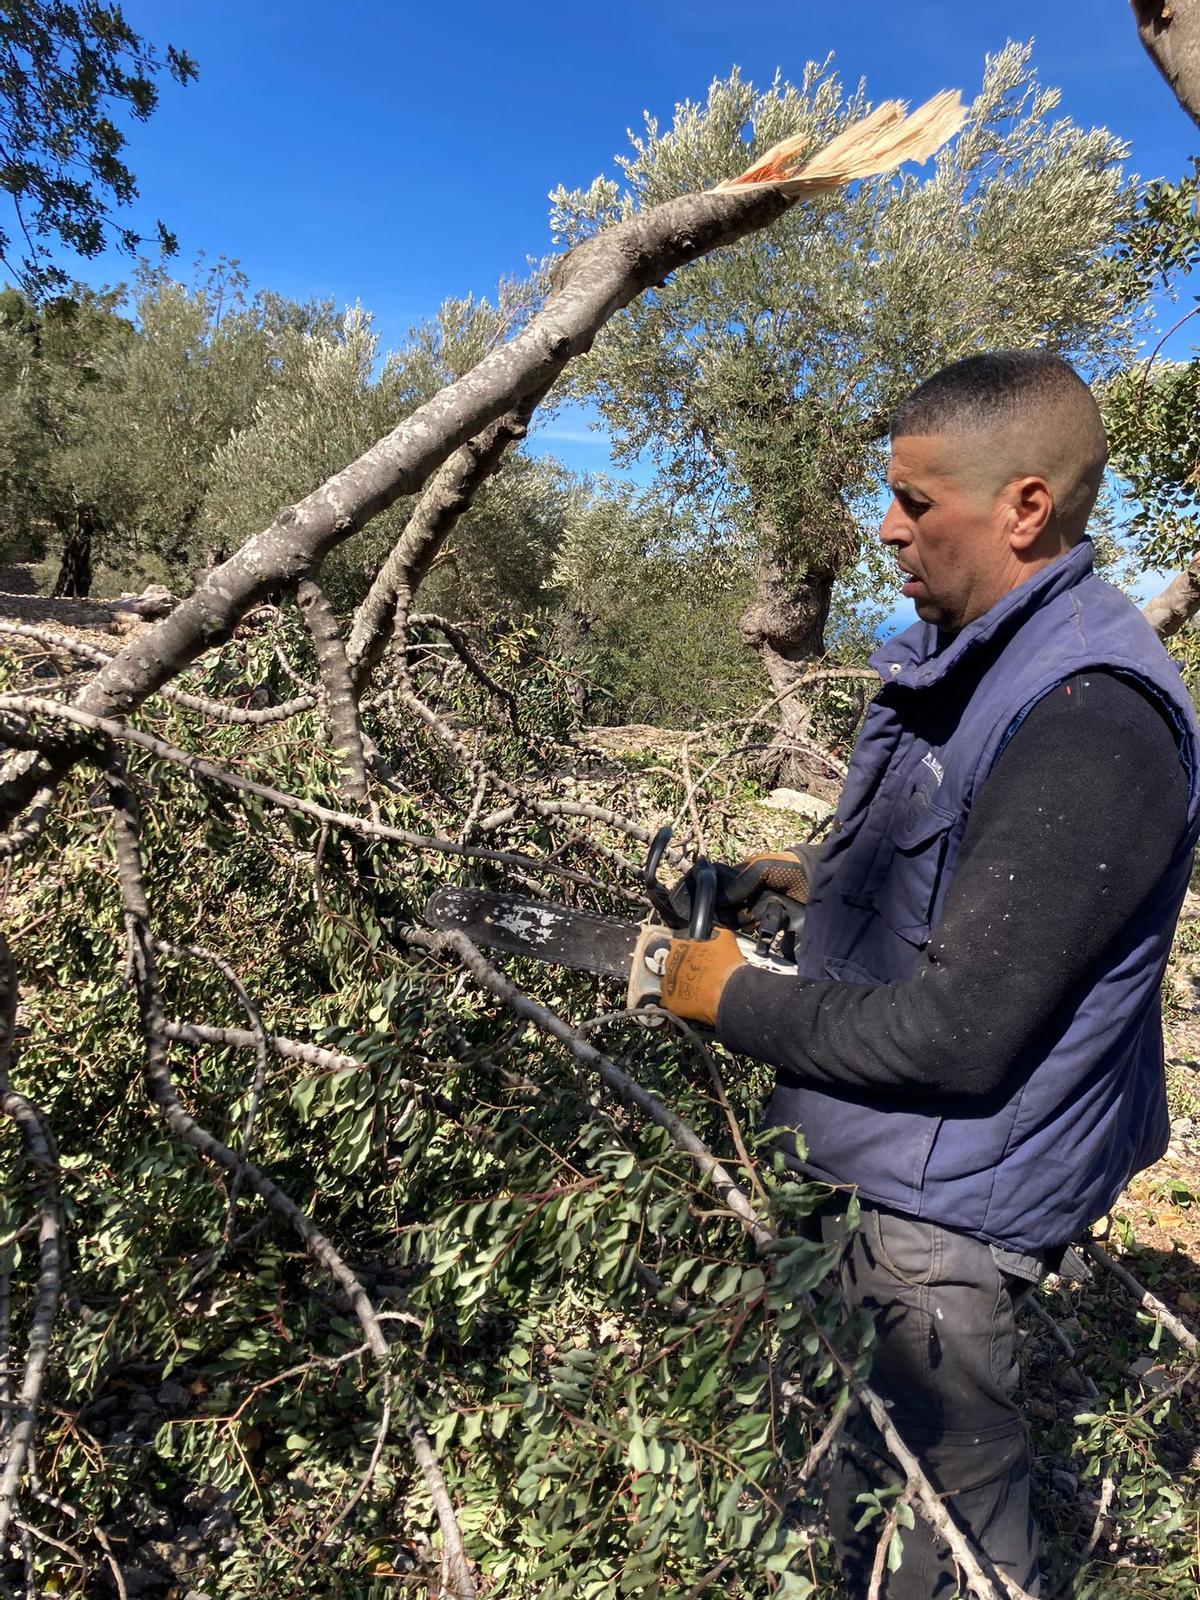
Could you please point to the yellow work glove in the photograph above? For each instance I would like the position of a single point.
(779, 871)
(695, 975)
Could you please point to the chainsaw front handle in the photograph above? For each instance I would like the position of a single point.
(704, 900)
(657, 894)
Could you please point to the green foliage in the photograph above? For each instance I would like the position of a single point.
(649, 607)
(1152, 410)
(204, 357)
(342, 396)
(593, 1344)
(67, 68)
(113, 420)
(593, 1365)
(845, 306)
(51, 362)
(762, 379)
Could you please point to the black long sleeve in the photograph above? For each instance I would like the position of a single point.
(1070, 833)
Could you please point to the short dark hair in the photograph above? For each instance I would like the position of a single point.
(992, 388)
(1041, 407)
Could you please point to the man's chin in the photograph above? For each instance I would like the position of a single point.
(936, 615)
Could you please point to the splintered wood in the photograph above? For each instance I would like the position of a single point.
(882, 140)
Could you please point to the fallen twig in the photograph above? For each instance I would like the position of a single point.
(198, 767)
(51, 640)
(1174, 1325)
(1060, 1338)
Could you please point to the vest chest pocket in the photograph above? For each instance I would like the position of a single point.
(905, 898)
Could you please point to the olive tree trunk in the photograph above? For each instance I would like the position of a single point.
(74, 579)
(785, 625)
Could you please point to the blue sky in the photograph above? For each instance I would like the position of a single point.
(399, 153)
(396, 154)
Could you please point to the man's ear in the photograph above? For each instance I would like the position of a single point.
(1031, 510)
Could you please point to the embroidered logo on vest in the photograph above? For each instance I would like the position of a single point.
(935, 766)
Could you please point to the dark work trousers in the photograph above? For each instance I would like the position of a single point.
(945, 1364)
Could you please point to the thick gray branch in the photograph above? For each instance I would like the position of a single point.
(445, 500)
(1176, 604)
(1170, 30)
(338, 702)
(594, 282)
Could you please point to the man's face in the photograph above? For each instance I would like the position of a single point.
(948, 529)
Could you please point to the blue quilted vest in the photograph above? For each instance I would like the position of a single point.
(1090, 1110)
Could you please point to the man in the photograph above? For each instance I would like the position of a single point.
(974, 1039)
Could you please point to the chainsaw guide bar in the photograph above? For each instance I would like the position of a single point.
(586, 941)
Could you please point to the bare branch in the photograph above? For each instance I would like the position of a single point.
(198, 767)
(29, 831)
(590, 285)
(1064, 1344)
(185, 1127)
(1177, 1328)
(338, 700)
(383, 613)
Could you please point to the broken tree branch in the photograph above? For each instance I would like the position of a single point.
(262, 1054)
(457, 639)
(199, 768)
(50, 640)
(383, 613)
(985, 1580)
(592, 283)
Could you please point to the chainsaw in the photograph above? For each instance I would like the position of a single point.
(611, 947)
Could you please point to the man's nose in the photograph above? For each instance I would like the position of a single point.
(895, 527)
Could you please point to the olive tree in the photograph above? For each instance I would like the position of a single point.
(67, 69)
(114, 407)
(52, 361)
(761, 382)
(345, 392)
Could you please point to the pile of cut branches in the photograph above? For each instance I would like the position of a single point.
(335, 1259)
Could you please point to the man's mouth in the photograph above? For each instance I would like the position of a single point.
(911, 582)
